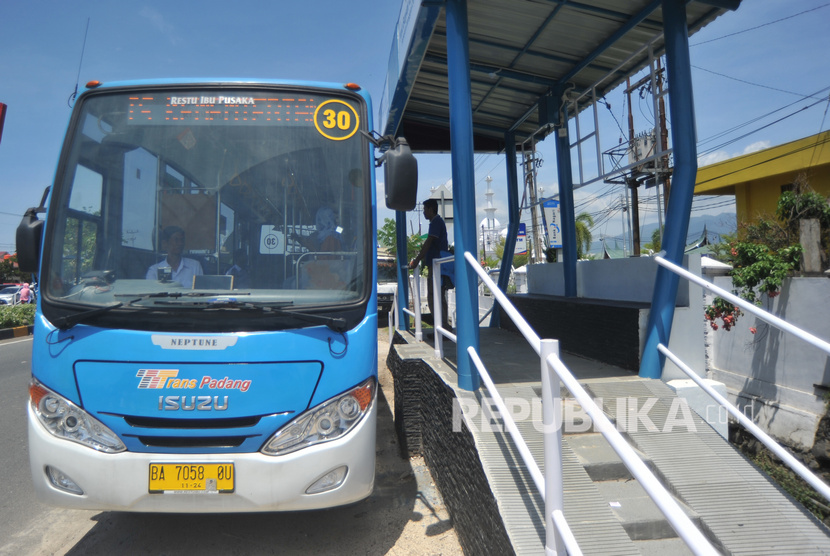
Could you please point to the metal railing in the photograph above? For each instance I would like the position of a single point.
(438, 317)
(416, 314)
(559, 537)
(820, 486)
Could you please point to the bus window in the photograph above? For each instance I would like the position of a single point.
(139, 214)
(86, 191)
(261, 189)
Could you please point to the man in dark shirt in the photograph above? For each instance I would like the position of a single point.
(431, 249)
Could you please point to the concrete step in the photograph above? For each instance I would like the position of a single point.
(598, 457)
(663, 547)
(638, 514)
(626, 498)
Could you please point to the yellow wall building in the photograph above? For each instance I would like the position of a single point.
(757, 179)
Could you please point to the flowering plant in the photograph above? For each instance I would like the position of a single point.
(756, 269)
(723, 310)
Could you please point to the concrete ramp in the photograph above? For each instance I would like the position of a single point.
(491, 497)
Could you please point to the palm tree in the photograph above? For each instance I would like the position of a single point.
(584, 223)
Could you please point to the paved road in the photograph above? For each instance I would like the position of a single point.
(404, 516)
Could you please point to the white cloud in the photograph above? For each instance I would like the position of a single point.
(720, 156)
(712, 158)
(158, 21)
(757, 146)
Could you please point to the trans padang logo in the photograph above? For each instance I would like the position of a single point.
(169, 378)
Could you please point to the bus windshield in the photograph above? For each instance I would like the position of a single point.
(212, 200)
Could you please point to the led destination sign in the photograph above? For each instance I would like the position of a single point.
(198, 109)
(335, 119)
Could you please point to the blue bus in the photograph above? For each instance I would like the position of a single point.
(206, 330)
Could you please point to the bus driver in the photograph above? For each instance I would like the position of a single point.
(182, 269)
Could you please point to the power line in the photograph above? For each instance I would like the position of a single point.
(762, 25)
(756, 119)
(752, 83)
(718, 147)
(782, 155)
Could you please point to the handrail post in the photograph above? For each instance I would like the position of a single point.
(438, 312)
(552, 427)
(416, 279)
(392, 320)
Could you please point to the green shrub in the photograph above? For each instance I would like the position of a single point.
(16, 315)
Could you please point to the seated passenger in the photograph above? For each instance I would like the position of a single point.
(239, 270)
(327, 238)
(182, 269)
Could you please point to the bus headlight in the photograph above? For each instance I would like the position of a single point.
(328, 421)
(66, 420)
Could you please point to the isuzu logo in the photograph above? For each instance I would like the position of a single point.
(192, 403)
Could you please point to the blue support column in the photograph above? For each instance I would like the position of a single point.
(566, 202)
(403, 275)
(463, 187)
(512, 221)
(684, 141)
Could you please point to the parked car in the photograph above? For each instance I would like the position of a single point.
(10, 295)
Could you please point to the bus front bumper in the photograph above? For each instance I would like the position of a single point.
(120, 482)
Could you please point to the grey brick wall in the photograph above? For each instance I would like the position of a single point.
(424, 422)
(604, 331)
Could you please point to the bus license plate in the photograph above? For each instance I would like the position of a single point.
(192, 477)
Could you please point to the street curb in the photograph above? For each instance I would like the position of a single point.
(16, 332)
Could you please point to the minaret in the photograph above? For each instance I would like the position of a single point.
(489, 233)
(490, 210)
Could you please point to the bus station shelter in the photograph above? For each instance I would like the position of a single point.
(472, 76)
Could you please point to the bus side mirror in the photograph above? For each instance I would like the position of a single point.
(29, 234)
(401, 177)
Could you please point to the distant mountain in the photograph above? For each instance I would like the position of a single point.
(723, 223)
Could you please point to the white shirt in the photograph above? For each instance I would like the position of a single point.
(188, 268)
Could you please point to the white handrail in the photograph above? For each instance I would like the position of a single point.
(524, 328)
(746, 305)
(416, 285)
(819, 485)
(567, 536)
(437, 306)
(679, 521)
(562, 528)
(509, 423)
(552, 441)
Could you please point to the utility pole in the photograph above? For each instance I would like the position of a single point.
(631, 182)
(664, 139)
(530, 182)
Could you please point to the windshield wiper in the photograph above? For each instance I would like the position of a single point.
(140, 296)
(335, 323)
(275, 308)
(67, 322)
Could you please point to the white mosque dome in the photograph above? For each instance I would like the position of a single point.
(488, 223)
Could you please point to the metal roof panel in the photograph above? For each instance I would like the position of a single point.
(520, 51)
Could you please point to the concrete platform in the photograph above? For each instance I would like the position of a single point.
(493, 501)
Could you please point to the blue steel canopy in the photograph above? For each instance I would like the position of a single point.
(484, 75)
(521, 53)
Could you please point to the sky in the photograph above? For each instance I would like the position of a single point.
(765, 62)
